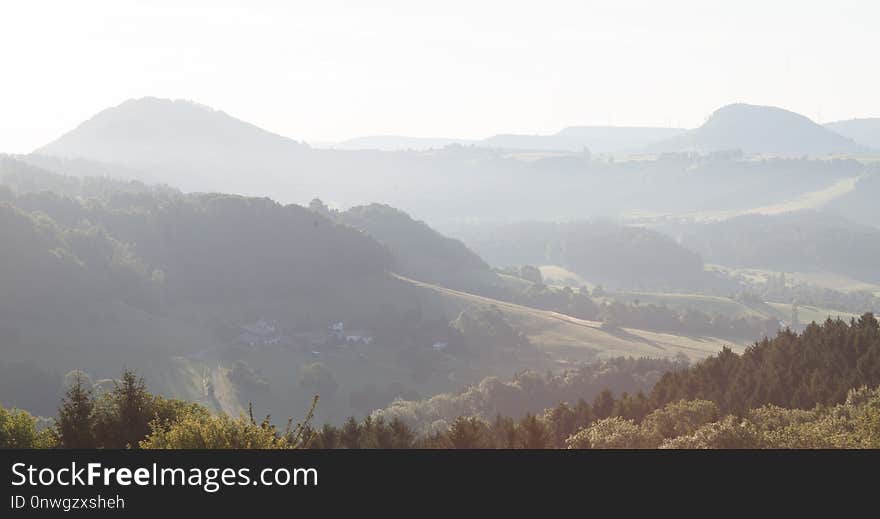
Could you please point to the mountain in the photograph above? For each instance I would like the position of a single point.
(760, 130)
(863, 131)
(195, 148)
(183, 143)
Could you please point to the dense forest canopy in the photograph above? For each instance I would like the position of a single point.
(798, 241)
(419, 250)
(601, 251)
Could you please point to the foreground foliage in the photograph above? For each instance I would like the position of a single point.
(819, 389)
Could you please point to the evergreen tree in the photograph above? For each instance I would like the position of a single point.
(533, 433)
(350, 436)
(76, 416)
(468, 432)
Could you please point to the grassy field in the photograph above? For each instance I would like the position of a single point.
(560, 276)
(818, 278)
(811, 200)
(561, 335)
(731, 307)
(704, 303)
(559, 341)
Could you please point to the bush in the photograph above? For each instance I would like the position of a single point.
(679, 419)
(18, 430)
(610, 433)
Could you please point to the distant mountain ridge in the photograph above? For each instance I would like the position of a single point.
(863, 131)
(197, 149)
(761, 130)
(597, 139)
(397, 143)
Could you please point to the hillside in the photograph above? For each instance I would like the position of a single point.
(763, 130)
(419, 250)
(599, 252)
(800, 241)
(108, 273)
(567, 337)
(863, 131)
(195, 148)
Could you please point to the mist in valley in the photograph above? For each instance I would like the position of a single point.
(423, 278)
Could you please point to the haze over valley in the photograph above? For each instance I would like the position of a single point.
(310, 269)
(460, 224)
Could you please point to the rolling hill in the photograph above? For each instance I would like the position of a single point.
(165, 283)
(418, 250)
(188, 145)
(765, 130)
(800, 241)
(599, 252)
(195, 148)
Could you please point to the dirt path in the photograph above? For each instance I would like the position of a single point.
(224, 392)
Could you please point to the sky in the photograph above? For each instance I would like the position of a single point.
(325, 71)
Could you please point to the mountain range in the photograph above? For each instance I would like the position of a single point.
(150, 132)
(198, 149)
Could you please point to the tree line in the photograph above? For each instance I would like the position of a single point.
(803, 390)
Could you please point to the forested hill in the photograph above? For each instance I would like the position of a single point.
(812, 390)
(601, 251)
(419, 250)
(817, 367)
(202, 245)
(797, 241)
(106, 273)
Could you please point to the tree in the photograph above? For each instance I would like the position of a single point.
(469, 432)
(680, 418)
(603, 405)
(76, 415)
(328, 438)
(18, 430)
(531, 273)
(505, 432)
(533, 433)
(127, 420)
(318, 206)
(197, 431)
(350, 436)
(609, 433)
(402, 435)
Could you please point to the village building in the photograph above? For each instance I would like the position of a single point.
(260, 333)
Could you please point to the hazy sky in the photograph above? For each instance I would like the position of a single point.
(325, 70)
